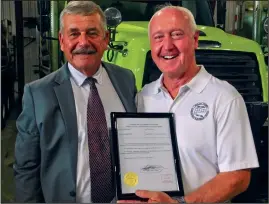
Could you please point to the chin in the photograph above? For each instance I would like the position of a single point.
(169, 70)
(81, 65)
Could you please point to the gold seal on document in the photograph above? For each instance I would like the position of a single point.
(131, 179)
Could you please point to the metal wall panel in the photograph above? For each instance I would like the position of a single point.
(8, 12)
(230, 13)
(29, 10)
(31, 50)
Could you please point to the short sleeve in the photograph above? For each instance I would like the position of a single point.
(235, 143)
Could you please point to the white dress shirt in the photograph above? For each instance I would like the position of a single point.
(111, 103)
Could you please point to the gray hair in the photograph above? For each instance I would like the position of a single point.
(186, 11)
(83, 8)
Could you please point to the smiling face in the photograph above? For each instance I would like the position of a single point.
(83, 41)
(173, 42)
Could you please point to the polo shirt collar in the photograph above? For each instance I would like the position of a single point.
(197, 83)
(200, 80)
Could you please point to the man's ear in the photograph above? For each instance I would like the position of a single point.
(196, 39)
(106, 38)
(61, 41)
(107, 35)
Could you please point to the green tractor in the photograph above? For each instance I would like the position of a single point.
(238, 60)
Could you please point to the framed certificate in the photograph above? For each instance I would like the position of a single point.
(145, 154)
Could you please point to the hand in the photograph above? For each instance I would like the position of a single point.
(152, 196)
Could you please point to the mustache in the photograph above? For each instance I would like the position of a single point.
(84, 50)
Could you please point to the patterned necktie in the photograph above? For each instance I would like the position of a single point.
(99, 148)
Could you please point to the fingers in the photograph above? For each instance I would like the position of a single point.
(152, 201)
(129, 201)
(147, 194)
(154, 196)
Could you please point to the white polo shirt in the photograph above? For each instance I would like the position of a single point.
(212, 126)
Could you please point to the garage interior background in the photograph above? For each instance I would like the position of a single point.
(20, 64)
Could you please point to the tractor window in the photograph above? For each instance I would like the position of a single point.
(143, 10)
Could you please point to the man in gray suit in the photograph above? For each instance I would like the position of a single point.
(62, 151)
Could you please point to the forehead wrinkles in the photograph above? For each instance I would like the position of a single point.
(70, 20)
(170, 19)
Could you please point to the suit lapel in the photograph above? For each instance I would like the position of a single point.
(65, 96)
(114, 81)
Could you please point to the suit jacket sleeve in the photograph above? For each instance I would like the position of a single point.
(27, 153)
(134, 86)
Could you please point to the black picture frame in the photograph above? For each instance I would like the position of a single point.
(116, 157)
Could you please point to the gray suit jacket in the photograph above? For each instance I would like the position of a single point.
(47, 140)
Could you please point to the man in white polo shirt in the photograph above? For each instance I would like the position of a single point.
(214, 137)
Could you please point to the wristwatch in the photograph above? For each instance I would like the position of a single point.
(180, 199)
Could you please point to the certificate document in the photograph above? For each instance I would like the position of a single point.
(146, 153)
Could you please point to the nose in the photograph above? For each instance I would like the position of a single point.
(83, 40)
(168, 43)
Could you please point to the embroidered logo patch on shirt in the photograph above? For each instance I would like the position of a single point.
(199, 111)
